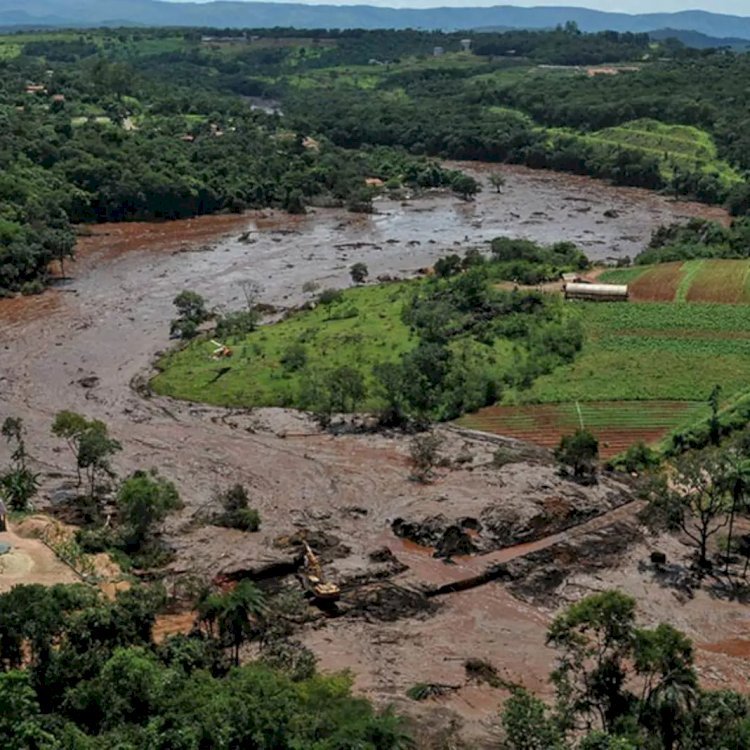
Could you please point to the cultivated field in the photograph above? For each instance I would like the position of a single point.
(646, 369)
(702, 280)
(617, 424)
(675, 146)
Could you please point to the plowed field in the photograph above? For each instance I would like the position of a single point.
(617, 424)
(720, 280)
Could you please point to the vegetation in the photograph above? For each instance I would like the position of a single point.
(19, 483)
(620, 686)
(580, 453)
(170, 109)
(434, 348)
(236, 512)
(81, 671)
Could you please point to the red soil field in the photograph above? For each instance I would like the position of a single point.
(657, 285)
(617, 425)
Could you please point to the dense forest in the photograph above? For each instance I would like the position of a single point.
(128, 125)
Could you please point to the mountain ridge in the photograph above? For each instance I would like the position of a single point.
(228, 13)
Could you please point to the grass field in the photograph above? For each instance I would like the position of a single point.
(702, 280)
(362, 330)
(654, 351)
(256, 376)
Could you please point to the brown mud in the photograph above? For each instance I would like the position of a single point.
(84, 343)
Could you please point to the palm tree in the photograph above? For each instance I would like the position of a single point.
(737, 482)
(241, 608)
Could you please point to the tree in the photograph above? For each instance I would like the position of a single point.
(359, 273)
(580, 452)
(736, 477)
(90, 443)
(595, 638)
(191, 309)
(144, 500)
(465, 186)
(237, 323)
(663, 658)
(527, 724)
(339, 390)
(237, 513)
(497, 180)
(18, 484)
(20, 718)
(696, 500)
(251, 291)
(424, 451)
(294, 357)
(239, 612)
(447, 266)
(95, 451)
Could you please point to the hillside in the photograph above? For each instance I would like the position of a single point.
(252, 14)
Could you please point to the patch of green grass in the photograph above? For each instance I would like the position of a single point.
(256, 375)
(622, 275)
(361, 330)
(654, 351)
(690, 270)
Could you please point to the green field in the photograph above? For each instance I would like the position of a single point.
(646, 370)
(362, 330)
(654, 351)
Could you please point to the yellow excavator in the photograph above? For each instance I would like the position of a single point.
(314, 581)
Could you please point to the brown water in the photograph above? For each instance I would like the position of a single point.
(112, 316)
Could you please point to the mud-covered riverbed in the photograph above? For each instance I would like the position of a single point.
(81, 345)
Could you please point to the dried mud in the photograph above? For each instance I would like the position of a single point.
(85, 342)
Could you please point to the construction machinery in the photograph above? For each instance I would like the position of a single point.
(221, 351)
(314, 581)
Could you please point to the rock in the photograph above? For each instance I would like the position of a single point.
(90, 381)
(383, 555)
(455, 542)
(610, 213)
(658, 558)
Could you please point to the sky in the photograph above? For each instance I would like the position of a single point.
(735, 7)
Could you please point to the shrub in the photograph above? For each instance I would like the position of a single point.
(294, 357)
(236, 511)
(330, 296)
(238, 323)
(579, 452)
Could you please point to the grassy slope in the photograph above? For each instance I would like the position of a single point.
(674, 146)
(256, 376)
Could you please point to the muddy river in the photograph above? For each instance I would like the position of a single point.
(80, 346)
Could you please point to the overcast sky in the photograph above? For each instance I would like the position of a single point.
(736, 7)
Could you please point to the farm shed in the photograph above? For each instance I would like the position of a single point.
(597, 292)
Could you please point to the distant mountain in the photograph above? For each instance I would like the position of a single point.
(700, 41)
(264, 14)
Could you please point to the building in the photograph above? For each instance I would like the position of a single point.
(597, 292)
(438, 52)
(466, 45)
